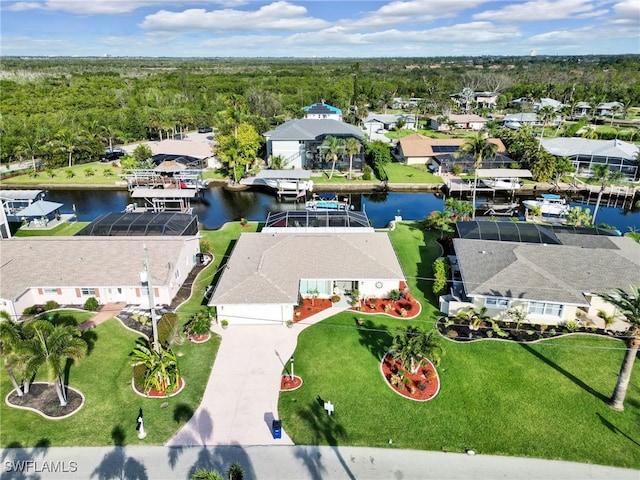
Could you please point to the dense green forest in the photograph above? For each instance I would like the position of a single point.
(58, 108)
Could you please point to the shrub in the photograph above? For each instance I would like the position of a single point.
(91, 304)
(367, 174)
(395, 295)
(224, 323)
(440, 275)
(403, 312)
(452, 333)
(335, 298)
(199, 323)
(50, 305)
(457, 169)
(387, 307)
(32, 310)
(570, 325)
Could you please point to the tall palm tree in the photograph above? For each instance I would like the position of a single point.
(332, 147)
(628, 304)
(29, 145)
(352, 146)
(605, 177)
(68, 142)
(546, 114)
(52, 345)
(480, 149)
(10, 341)
(412, 344)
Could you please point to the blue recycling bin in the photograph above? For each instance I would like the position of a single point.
(276, 428)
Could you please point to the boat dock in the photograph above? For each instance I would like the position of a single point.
(294, 183)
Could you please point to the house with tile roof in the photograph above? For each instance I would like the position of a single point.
(268, 274)
(554, 276)
(584, 153)
(69, 270)
(299, 141)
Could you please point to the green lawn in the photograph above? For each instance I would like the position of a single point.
(544, 400)
(399, 173)
(103, 174)
(66, 229)
(110, 412)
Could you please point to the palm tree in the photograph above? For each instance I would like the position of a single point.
(412, 344)
(234, 472)
(480, 148)
(332, 148)
(459, 209)
(474, 317)
(628, 304)
(352, 146)
(68, 142)
(10, 340)
(53, 345)
(29, 145)
(604, 176)
(545, 114)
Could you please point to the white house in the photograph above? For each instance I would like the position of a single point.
(468, 122)
(555, 279)
(608, 109)
(323, 111)
(69, 270)
(376, 121)
(299, 141)
(268, 273)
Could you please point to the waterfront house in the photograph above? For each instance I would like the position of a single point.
(554, 274)
(69, 270)
(607, 109)
(439, 154)
(584, 153)
(299, 141)
(269, 273)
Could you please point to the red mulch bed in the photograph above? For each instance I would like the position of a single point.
(156, 394)
(422, 385)
(310, 307)
(288, 383)
(409, 303)
(199, 338)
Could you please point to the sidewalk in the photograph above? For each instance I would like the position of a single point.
(241, 397)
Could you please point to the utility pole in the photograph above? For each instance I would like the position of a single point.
(145, 277)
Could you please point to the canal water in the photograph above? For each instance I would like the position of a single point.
(219, 206)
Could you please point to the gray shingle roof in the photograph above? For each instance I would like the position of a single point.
(84, 261)
(267, 268)
(313, 129)
(553, 273)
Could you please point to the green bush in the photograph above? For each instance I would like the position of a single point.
(368, 173)
(440, 275)
(394, 295)
(91, 304)
(50, 305)
(32, 310)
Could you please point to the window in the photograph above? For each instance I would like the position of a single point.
(308, 287)
(89, 292)
(497, 302)
(547, 309)
(50, 291)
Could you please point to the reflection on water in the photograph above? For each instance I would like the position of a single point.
(219, 206)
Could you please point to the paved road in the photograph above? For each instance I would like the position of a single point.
(286, 462)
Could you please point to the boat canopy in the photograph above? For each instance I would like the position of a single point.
(504, 173)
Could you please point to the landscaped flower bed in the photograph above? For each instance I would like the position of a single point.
(421, 386)
(459, 331)
(406, 307)
(310, 307)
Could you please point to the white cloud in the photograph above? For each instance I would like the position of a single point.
(626, 12)
(106, 7)
(561, 37)
(279, 15)
(538, 10)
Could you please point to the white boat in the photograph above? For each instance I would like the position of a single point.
(322, 203)
(502, 183)
(549, 204)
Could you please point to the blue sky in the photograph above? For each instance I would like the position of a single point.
(292, 28)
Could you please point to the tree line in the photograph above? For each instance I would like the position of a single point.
(64, 111)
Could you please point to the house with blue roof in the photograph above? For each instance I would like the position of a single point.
(322, 111)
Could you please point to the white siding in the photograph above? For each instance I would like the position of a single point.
(291, 150)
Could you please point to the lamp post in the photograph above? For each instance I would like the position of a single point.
(145, 278)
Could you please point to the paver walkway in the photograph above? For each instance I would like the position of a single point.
(106, 312)
(241, 397)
